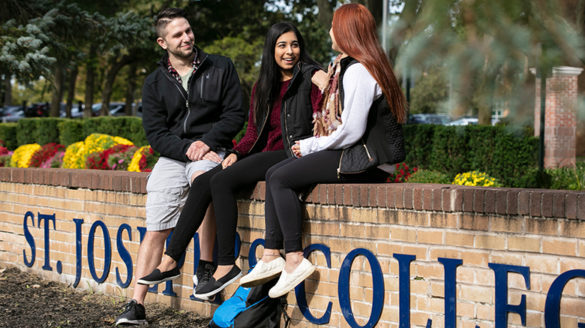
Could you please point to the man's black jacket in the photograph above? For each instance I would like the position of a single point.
(211, 111)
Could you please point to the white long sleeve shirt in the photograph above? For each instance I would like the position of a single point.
(360, 91)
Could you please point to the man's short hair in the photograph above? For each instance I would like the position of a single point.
(165, 16)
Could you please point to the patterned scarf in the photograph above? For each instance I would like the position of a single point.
(329, 118)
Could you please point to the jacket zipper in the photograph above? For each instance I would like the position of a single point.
(180, 89)
(188, 111)
(187, 99)
(286, 131)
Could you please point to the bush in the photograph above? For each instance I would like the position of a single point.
(450, 153)
(417, 140)
(429, 176)
(38, 130)
(568, 178)
(71, 131)
(502, 152)
(8, 135)
(126, 127)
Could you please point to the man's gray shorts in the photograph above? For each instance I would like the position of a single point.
(167, 190)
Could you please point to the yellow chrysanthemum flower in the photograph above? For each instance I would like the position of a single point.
(22, 155)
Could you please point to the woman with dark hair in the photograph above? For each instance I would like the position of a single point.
(282, 104)
(357, 136)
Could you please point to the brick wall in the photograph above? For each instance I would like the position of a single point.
(541, 230)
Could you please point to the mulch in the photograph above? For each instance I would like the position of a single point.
(27, 300)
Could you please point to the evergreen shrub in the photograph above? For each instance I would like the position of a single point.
(8, 135)
(40, 130)
(502, 152)
(126, 127)
(71, 131)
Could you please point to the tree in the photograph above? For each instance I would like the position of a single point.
(487, 47)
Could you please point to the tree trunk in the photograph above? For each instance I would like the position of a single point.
(376, 7)
(7, 91)
(131, 88)
(325, 12)
(71, 90)
(111, 74)
(90, 80)
(57, 92)
(404, 29)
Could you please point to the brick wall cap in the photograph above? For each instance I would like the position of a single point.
(74, 178)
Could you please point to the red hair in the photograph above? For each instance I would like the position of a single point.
(354, 29)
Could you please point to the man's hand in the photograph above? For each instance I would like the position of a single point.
(197, 150)
(228, 161)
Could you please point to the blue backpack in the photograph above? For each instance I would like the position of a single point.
(251, 307)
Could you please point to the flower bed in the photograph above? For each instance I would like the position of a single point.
(97, 151)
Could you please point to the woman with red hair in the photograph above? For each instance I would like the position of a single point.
(357, 138)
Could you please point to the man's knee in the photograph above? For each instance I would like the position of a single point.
(156, 237)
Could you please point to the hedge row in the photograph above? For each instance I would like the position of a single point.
(45, 130)
(510, 155)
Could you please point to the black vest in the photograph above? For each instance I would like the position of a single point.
(383, 136)
(296, 112)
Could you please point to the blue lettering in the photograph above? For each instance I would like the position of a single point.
(124, 255)
(502, 307)
(47, 218)
(404, 288)
(552, 307)
(78, 249)
(252, 252)
(300, 289)
(378, 288)
(29, 239)
(450, 266)
(107, 251)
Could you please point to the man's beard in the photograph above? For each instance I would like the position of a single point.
(185, 54)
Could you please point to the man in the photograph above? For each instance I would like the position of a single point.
(192, 108)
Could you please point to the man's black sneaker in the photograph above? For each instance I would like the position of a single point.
(213, 286)
(204, 272)
(156, 277)
(133, 314)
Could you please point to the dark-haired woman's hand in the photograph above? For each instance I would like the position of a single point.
(228, 161)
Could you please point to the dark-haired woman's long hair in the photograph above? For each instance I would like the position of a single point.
(268, 84)
(354, 29)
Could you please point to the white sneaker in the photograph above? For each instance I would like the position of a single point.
(288, 281)
(263, 272)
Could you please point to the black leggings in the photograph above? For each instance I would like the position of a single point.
(283, 183)
(221, 186)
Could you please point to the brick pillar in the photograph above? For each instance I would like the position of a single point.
(560, 116)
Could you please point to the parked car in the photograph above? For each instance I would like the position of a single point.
(116, 109)
(471, 121)
(441, 119)
(12, 114)
(37, 110)
(464, 121)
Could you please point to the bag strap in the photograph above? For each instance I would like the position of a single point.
(283, 305)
